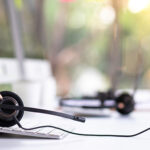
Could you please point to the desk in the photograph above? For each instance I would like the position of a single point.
(112, 125)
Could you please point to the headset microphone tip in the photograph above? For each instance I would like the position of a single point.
(81, 119)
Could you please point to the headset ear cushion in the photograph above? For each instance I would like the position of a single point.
(128, 103)
(9, 123)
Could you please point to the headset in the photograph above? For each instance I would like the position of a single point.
(12, 110)
(11, 106)
(123, 103)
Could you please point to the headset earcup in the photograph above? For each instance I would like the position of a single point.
(7, 123)
(128, 103)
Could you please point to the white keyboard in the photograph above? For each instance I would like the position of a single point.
(40, 133)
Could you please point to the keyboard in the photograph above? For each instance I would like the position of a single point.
(49, 133)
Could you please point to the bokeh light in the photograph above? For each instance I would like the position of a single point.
(136, 6)
(107, 15)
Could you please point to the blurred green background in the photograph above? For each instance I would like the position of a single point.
(109, 37)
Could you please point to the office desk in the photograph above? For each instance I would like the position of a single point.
(111, 125)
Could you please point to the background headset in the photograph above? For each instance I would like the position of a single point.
(12, 110)
(124, 103)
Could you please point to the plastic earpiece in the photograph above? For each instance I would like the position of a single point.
(125, 103)
(7, 115)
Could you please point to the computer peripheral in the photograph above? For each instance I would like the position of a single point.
(124, 103)
(12, 106)
(12, 110)
(49, 133)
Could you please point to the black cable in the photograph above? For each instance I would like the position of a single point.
(81, 134)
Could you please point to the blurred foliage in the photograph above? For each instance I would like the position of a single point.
(19, 4)
(5, 37)
(5, 87)
(50, 27)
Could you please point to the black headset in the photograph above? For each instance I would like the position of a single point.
(12, 110)
(123, 103)
(11, 107)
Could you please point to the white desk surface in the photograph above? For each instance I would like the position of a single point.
(112, 125)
